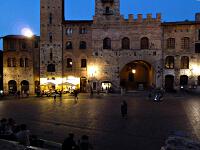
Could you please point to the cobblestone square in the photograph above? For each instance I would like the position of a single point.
(148, 124)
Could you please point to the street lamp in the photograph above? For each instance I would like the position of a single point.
(133, 71)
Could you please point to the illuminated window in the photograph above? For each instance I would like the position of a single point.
(184, 62)
(83, 63)
(69, 45)
(125, 43)
(171, 43)
(144, 43)
(51, 68)
(185, 43)
(169, 62)
(107, 43)
(83, 45)
(69, 63)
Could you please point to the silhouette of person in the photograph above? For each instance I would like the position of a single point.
(69, 143)
(124, 108)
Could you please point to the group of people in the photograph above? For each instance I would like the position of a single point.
(9, 130)
(82, 144)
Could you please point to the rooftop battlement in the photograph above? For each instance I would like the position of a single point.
(141, 19)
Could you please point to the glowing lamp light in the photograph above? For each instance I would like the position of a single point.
(196, 69)
(133, 71)
(27, 32)
(92, 70)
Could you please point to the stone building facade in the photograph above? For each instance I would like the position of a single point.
(112, 52)
(20, 64)
(109, 52)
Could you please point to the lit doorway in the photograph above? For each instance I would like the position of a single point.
(137, 75)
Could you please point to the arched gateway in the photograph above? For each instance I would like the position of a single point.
(137, 75)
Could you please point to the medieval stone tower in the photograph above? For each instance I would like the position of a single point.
(107, 7)
(51, 18)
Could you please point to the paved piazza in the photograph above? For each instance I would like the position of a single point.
(146, 128)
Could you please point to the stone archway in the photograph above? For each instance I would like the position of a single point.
(137, 75)
(24, 86)
(12, 86)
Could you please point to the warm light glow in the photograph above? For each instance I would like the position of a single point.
(45, 81)
(27, 32)
(92, 70)
(196, 70)
(73, 80)
(106, 85)
(133, 71)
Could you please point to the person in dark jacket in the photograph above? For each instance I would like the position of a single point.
(124, 109)
(69, 143)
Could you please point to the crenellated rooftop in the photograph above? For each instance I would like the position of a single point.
(140, 18)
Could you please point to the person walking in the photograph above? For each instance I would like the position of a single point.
(69, 143)
(124, 108)
(54, 97)
(75, 95)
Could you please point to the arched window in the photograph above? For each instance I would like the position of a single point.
(82, 45)
(185, 43)
(183, 80)
(144, 43)
(13, 62)
(21, 62)
(69, 31)
(51, 68)
(169, 62)
(171, 43)
(199, 80)
(107, 43)
(125, 43)
(184, 62)
(69, 63)
(69, 45)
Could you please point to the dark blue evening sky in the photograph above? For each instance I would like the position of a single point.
(16, 14)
